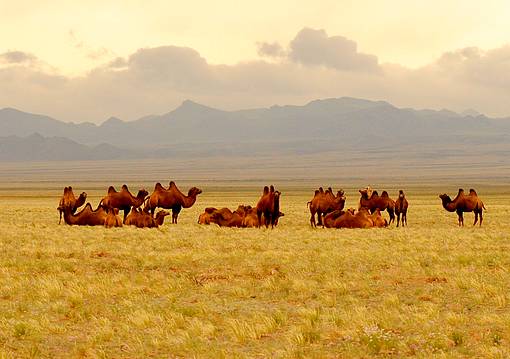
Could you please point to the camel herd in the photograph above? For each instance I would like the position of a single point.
(327, 207)
(107, 212)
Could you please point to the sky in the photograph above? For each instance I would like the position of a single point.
(87, 61)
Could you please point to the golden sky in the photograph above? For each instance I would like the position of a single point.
(75, 36)
(89, 60)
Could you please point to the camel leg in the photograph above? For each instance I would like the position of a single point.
(481, 217)
(126, 212)
(60, 220)
(404, 218)
(259, 216)
(398, 219)
(461, 218)
(476, 218)
(267, 218)
(319, 218)
(391, 212)
(312, 219)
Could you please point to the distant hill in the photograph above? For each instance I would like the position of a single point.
(320, 126)
(38, 148)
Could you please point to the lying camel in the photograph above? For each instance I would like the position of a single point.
(225, 219)
(113, 219)
(172, 198)
(463, 203)
(69, 201)
(362, 219)
(378, 219)
(143, 219)
(401, 205)
(323, 203)
(206, 217)
(383, 202)
(269, 206)
(86, 217)
(123, 200)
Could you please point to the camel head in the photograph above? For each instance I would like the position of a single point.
(445, 198)
(401, 194)
(364, 193)
(351, 210)
(162, 213)
(194, 191)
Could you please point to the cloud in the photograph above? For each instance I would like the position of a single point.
(266, 49)
(17, 57)
(156, 80)
(315, 48)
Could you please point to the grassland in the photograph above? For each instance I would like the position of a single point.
(431, 289)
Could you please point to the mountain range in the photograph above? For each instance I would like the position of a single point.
(193, 129)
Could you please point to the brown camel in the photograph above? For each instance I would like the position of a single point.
(269, 206)
(143, 219)
(362, 219)
(113, 219)
(323, 203)
(383, 202)
(463, 203)
(123, 200)
(206, 217)
(225, 219)
(401, 205)
(86, 217)
(172, 198)
(378, 219)
(68, 200)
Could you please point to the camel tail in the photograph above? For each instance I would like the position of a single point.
(308, 204)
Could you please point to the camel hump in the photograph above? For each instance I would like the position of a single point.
(321, 190)
(473, 192)
(271, 188)
(158, 187)
(125, 188)
(384, 194)
(266, 190)
(375, 193)
(210, 210)
(461, 190)
(317, 192)
(111, 189)
(171, 184)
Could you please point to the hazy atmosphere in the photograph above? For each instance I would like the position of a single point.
(86, 62)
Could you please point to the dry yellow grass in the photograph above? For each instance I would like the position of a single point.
(202, 291)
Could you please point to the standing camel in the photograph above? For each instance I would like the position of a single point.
(324, 202)
(171, 198)
(269, 207)
(123, 200)
(401, 205)
(374, 202)
(463, 203)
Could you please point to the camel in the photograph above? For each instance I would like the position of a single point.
(68, 200)
(232, 219)
(172, 198)
(143, 219)
(383, 202)
(86, 217)
(330, 218)
(378, 219)
(269, 206)
(113, 219)
(206, 217)
(401, 205)
(463, 203)
(323, 203)
(362, 219)
(123, 200)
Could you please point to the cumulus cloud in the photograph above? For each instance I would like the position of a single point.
(316, 48)
(156, 80)
(17, 57)
(266, 49)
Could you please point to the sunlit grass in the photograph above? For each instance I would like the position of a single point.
(204, 291)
